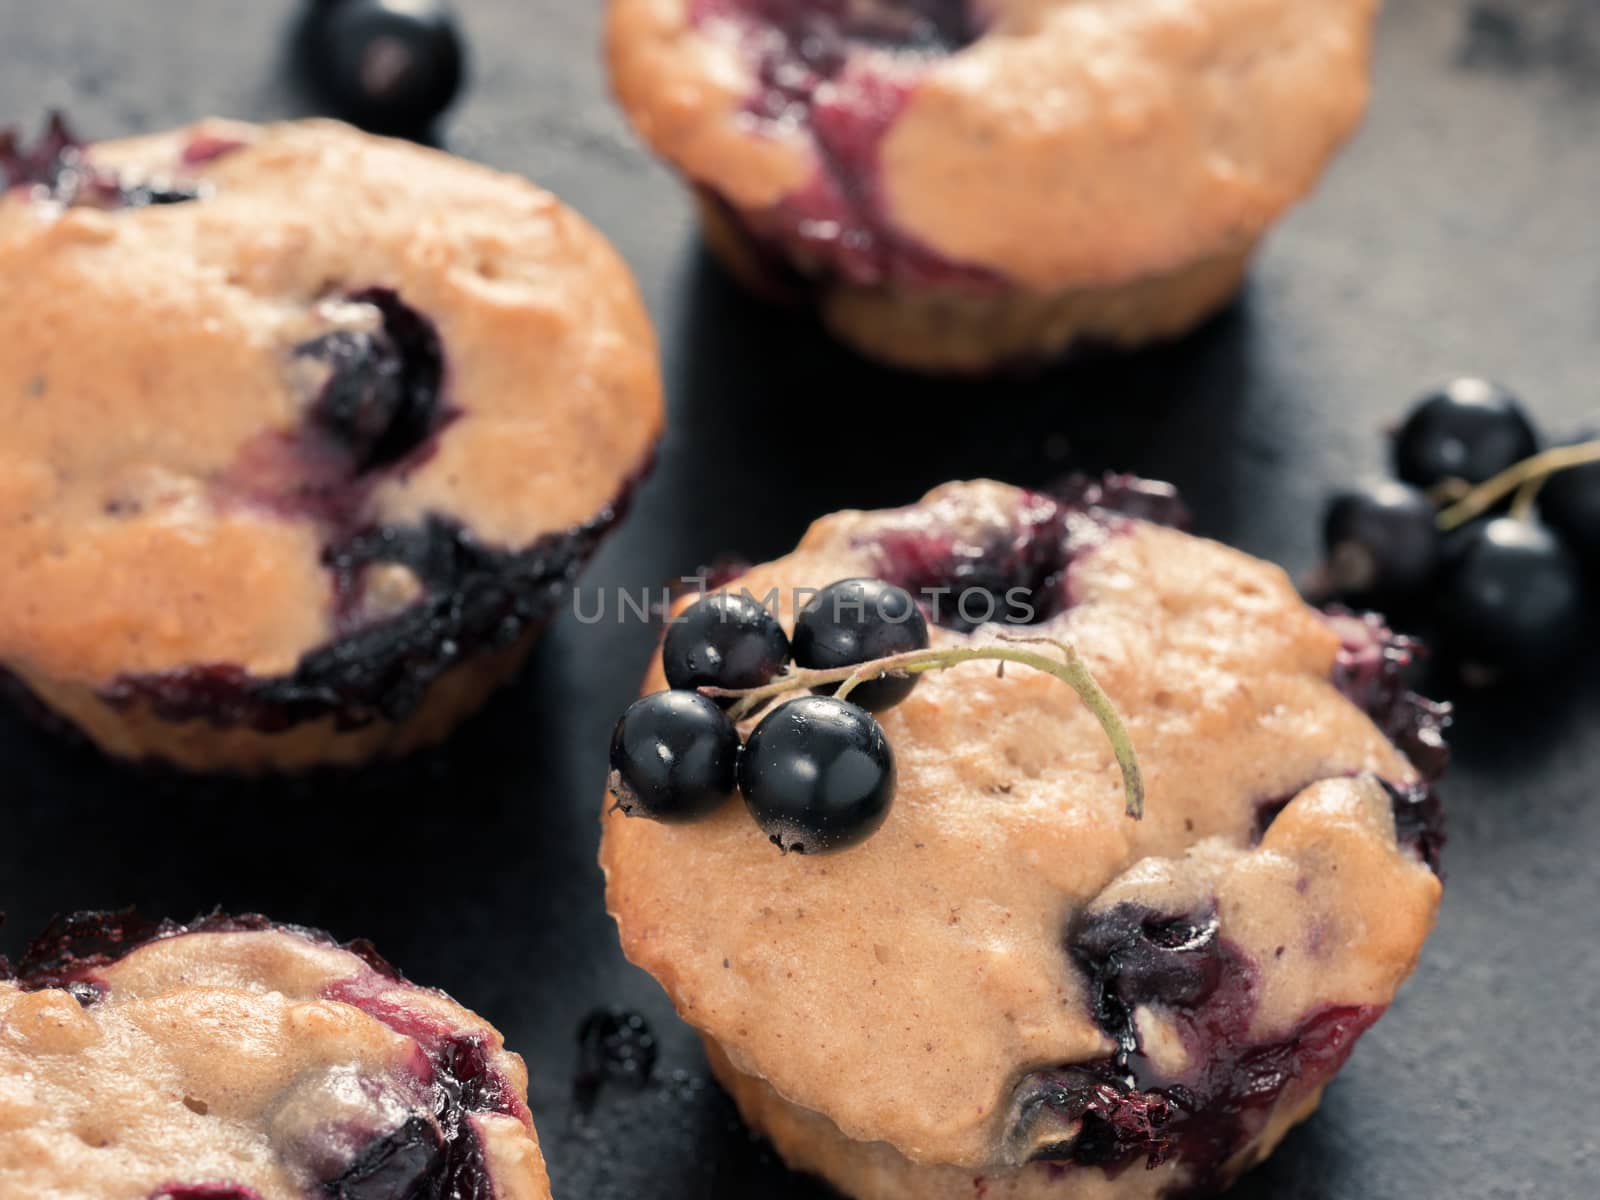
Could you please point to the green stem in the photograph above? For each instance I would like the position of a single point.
(1070, 670)
(1525, 473)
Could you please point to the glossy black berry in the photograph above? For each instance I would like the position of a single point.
(674, 757)
(726, 640)
(1381, 539)
(1512, 598)
(857, 620)
(1570, 504)
(392, 66)
(1470, 429)
(817, 775)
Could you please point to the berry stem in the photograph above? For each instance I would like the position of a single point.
(1530, 470)
(1070, 669)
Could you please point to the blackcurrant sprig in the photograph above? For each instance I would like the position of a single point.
(1508, 591)
(857, 620)
(1069, 668)
(726, 640)
(1469, 430)
(1570, 504)
(1530, 471)
(674, 757)
(1513, 600)
(1382, 540)
(817, 773)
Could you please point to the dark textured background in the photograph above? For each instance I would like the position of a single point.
(1459, 233)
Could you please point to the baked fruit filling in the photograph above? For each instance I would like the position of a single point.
(369, 381)
(410, 601)
(839, 73)
(1129, 1109)
(56, 168)
(1020, 574)
(1126, 1110)
(388, 1114)
(1117, 996)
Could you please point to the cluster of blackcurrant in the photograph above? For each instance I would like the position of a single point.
(817, 772)
(1481, 529)
(391, 66)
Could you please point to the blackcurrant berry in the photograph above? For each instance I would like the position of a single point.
(817, 775)
(1570, 504)
(855, 621)
(392, 66)
(674, 757)
(614, 1046)
(1470, 429)
(1512, 599)
(1382, 539)
(725, 640)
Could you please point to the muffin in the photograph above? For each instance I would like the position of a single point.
(1013, 989)
(235, 1059)
(960, 184)
(308, 434)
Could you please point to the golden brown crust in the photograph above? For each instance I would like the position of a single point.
(931, 958)
(960, 330)
(1073, 146)
(147, 348)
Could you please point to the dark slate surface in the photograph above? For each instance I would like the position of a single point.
(1459, 233)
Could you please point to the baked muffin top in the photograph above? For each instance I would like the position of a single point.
(236, 1060)
(232, 350)
(1054, 142)
(1009, 922)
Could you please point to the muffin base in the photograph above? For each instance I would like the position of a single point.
(808, 1141)
(134, 730)
(967, 330)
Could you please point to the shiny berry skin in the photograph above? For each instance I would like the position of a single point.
(724, 640)
(818, 775)
(674, 757)
(1382, 539)
(857, 620)
(391, 66)
(1569, 502)
(1512, 598)
(1470, 429)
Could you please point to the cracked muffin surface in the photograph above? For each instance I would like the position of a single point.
(301, 420)
(238, 1060)
(1030, 989)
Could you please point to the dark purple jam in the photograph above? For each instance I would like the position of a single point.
(57, 167)
(476, 598)
(1132, 956)
(1122, 1111)
(438, 1157)
(841, 72)
(378, 414)
(1021, 576)
(1371, 670)
(434, 1155)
